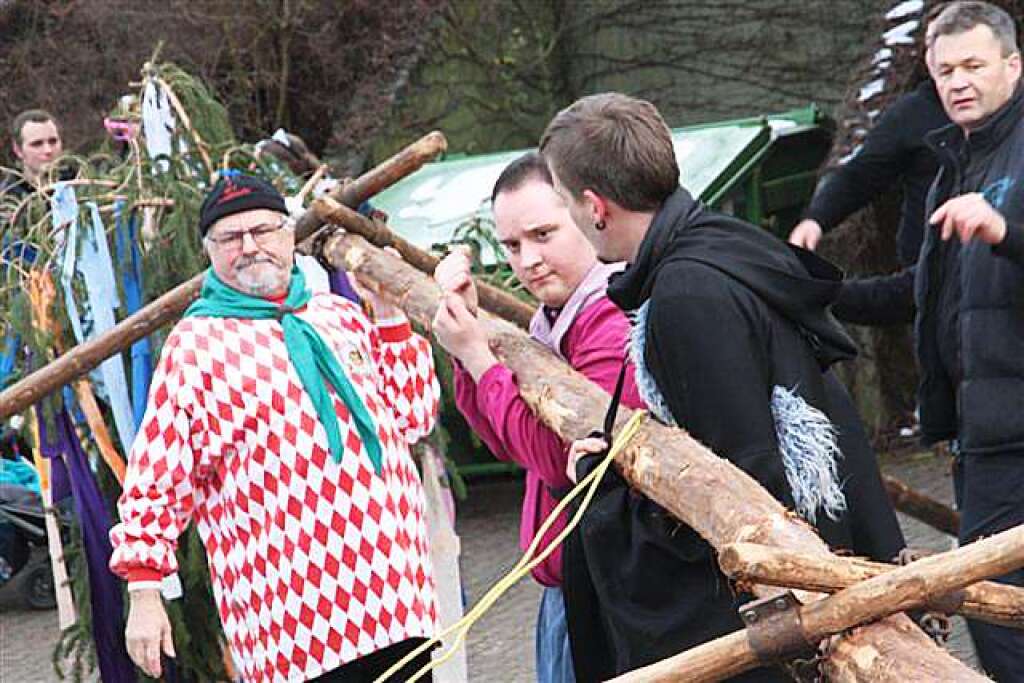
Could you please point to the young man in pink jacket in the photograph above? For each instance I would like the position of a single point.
(556, 264)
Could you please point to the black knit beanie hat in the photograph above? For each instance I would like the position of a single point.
(236, 193)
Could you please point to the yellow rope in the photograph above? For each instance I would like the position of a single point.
(528, 560)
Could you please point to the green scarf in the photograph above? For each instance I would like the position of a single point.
(313, 359)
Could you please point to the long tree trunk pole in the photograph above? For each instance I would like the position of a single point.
(922, 507)
(151, 317)
(989, 601)
(429, 147)
(721, 502)
(497, 301)
(908, 587)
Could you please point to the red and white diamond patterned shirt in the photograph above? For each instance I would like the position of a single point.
(314, 563)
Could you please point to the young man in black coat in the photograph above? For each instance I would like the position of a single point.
(970, 288)
(732, 341)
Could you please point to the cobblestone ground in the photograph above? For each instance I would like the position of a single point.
(501, 645)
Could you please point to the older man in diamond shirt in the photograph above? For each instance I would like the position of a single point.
(279, 422)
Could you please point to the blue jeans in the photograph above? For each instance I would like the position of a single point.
(554, 659)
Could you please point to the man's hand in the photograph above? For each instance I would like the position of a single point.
(969, 216)
(463, 336)
(453, 276)
(806, 234)
(148, 631)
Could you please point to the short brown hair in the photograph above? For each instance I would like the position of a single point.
(530, 166)
(615, 145)
(960, 17)
(30, 116)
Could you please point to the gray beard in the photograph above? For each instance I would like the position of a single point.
(260, 282)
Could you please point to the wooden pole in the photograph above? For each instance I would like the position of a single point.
(988, 601)
(922, 507)
(151, 317)
(719, 501)
(903, 588)
(497, 301)
(352, 194)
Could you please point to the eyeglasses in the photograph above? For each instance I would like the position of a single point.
(261, 234)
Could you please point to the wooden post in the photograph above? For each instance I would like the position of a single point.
(988, 601)
(903, 588)
(154, 315)
(922, 507)
(444, 548)
(722, 503)
(354, 193)
(498, 302)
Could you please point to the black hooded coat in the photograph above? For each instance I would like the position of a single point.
(726, 314)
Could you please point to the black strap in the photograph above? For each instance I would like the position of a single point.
(609, 425)
(613, 407)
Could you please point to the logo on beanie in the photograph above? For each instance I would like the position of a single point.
(232, 192)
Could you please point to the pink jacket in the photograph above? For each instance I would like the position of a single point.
(595, 346)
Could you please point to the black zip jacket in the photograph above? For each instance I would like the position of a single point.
(977, 401)
(894, 153)
(732, 313)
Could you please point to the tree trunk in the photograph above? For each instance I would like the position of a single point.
(168, 307)
(912, 586)
(666, 464)
(497, 301)
(384, 175)
(988, 601)
(922, 507)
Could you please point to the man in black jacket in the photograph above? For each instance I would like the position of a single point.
(970, 290)
(894, 153)
(732, 341)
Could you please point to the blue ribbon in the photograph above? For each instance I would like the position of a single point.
(97, 270)
(130, 260)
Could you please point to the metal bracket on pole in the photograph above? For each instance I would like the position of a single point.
(774, 629)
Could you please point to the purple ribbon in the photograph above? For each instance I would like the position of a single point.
(71, 473)
(340, 284)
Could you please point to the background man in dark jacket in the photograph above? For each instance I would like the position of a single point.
(732, 340)
(894, 153)
(970, 290)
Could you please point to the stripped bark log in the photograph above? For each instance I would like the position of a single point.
(429, 147)
(921, 507)
(988, 601)
(495, 300)
(667, 465)
(912, 586)
(84, 357)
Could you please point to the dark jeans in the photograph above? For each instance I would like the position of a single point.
(366, 669)
(990, 494)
